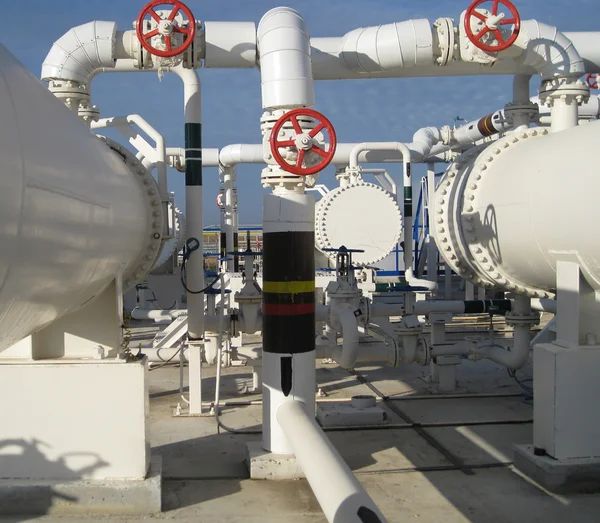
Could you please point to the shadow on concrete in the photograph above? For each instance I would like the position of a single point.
(21, 461)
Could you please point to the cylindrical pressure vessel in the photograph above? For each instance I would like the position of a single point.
(73, 214)
(505, 213)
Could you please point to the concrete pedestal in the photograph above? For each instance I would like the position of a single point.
(263, 464)
(563, 477)
(74, 432)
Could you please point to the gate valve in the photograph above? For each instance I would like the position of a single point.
(303, 142)
(492, 24)
(592, 81)
(166, 27)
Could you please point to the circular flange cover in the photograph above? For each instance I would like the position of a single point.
(360, 216)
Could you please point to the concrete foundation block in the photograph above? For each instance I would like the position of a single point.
(579, 475)
(83, 497)
(266, 465)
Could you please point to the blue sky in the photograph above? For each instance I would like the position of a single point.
(361, 110)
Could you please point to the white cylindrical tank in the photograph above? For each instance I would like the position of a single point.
(507, 212)
(73, 214)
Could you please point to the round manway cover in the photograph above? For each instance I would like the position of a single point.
(361, 216)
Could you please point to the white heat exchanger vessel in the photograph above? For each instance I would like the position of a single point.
(74, 214)
(505, 213)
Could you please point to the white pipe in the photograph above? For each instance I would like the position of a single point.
(346, 355)
(423, 141)
(228, 175)
(234, 154)
(544, 305)
(337, 490)
(285, 65)
(81, 51)
(588, 47)
(519, 354)
(372, 51)
(548, 51)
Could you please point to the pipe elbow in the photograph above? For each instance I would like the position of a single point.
(347, 356)
(81, 51)
(284, 58)
(423, 141)
(416, 282)
(549, 51)
(234, 154)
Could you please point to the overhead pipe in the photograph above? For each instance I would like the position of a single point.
(341, 496)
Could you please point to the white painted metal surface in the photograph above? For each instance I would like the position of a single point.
(285, 65)
(502, 219)
(341, 496)
(360, 216)
(73, 214)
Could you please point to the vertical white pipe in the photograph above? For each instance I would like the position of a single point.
(193, 197)
(432, 252)
(228, 181)
(341, 496)
(564, 114)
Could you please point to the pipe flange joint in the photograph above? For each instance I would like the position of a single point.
(513, 319)
(564, 88)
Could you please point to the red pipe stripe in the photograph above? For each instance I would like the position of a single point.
(281, 309)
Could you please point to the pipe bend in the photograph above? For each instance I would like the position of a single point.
(80, 51)
(549, 51)
(233, 154)
(346, 356)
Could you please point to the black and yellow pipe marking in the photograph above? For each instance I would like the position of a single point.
(288, 292)
(486, 126)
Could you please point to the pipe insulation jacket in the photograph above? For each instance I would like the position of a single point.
(80, 51)
(74, 214)
(284, 60)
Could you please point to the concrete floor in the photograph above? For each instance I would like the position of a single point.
(205, 477)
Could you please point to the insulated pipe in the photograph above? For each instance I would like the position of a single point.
(285, 64)
(74, 215)
(346, 355)
(81, 51)
(288, 308)
(337, 490)
(193, 198)
(374, 51)
(288, 237)
(548, 51)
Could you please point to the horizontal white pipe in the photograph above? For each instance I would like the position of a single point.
(373, 51)
(341, 496)
(234, 154)
(229, 44)
(413, 281)
(284, 57)
(588, 47)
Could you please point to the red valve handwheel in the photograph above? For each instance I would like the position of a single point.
(514, 20)
(323, 124)
(188, 32)
(592, 81)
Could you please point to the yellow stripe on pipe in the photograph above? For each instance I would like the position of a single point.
(288, 287)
